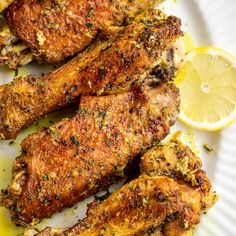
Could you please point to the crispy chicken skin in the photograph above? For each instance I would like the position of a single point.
(178, 162)
(77, 157)
(142, 207)
(134, 53)
(16, 53)
(56, 29)
(162, 201)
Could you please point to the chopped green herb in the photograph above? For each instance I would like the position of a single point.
(82, 111)
(30, 197)
(145, 199)
(18, 209)
(52, 26)
(45, 177)
(16, 72)
(91, 11)
(46, 11)
(11, 142)
(129, 126)
(40, 83)
(1, 17)
(207, 148)
(46, 202)
(89, 24)
(138, 202)
(131, 187)
(110, 143)
(75, 140)
(4, 52)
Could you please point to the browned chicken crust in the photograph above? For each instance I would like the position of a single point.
(56, 29)
(178, 162)
(77, 157)
(135, 52)
(142, 207)
(15, 53)
(168, 205)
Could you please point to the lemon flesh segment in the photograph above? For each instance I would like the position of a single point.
(207, 85)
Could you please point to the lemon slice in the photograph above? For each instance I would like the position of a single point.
(207, 84)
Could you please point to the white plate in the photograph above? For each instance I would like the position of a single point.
(210, 23)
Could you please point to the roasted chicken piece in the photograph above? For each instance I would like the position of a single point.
(178, 162)
(56, 29)
(166, 200)
(15, 53)
(145, 206)
(104, 67)
(78, 157)
(12, 52)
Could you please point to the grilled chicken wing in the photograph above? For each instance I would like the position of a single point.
(163, 201)
(15, 53)
(134, 53)
(77, 157)
(142, 207)
(56, 29)
(178, 162)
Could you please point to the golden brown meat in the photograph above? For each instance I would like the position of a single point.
(56, 29)
(134, 53)
(165, 204)
(77, 157)
(141, 208)
(15, 53)
(178, 162)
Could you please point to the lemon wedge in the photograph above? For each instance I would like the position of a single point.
(207, 84)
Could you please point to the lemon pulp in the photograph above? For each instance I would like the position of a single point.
(207, 84)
